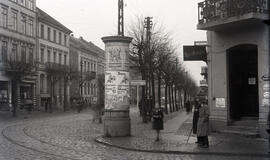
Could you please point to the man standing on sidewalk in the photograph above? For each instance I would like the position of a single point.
(268, 130)
(196, 117)
(203, 124)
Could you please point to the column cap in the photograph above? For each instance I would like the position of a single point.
(117, 39)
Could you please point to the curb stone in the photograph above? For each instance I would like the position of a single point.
(101, 140)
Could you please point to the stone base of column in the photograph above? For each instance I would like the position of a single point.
(116, 123)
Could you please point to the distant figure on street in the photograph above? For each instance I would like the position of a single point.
(203, 125)
(188, 106)
(80, 104)
(158, 121)
(195, 117)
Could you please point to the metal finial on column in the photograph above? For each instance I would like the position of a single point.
(121, 17)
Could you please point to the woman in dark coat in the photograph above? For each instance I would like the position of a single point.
(195, 117)
(158, 121)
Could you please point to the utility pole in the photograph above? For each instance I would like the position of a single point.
(148, 25)
(121, 17)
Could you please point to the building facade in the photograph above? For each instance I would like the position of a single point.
(52, 62)
(88, 62)
(238, 61)
(17, 52)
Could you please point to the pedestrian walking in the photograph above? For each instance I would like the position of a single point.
(79, 105)
(203, 125)
(188, 107)
(195, 117)
(158, 121)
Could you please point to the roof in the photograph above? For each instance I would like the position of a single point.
(80, 43)
(43, 16)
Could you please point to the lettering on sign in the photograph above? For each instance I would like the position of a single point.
(220, 103)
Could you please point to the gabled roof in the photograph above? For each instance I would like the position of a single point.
(43, 16)
(80, 43)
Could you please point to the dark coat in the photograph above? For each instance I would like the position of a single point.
(195, 118)
(203, 122)
(268, 123)
(158, 119)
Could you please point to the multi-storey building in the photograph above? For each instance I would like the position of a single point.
(53, 62)
(238, 62)
(17, 52)
(88, 62)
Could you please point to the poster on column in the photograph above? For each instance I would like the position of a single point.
(116, 90)
(117, 58)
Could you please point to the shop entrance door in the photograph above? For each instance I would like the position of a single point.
(243, 81)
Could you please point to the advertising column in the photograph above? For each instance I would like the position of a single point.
(117, 83)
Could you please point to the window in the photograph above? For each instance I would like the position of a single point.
(42, 79)
(65, 59)
(42, 55)
(84, 66)
(54, 35)
(91, 89)
(31, 57)
(48, 55)
(65, 40)
(91, 66)
(94, 67)
(23, 24)
(49, 34)
(31, 27)
(88, 88)
(23, 54)
(85, 90)
(54, 56)
(60, 58)
(88, 66)
(4, 17)
(14, 52)
(42, 31)
(95, 90)
(30, 4)
(3, 56)
(22, 2)
(14, 20)
(60, 38)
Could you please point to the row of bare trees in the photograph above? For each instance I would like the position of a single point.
(158, 64)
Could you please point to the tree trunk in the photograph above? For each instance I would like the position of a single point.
(14, 97)
(166, 98)
(173, 105)
(159, 91)
(153, 92)
(175, 98)
(170, 100)
(65, 96)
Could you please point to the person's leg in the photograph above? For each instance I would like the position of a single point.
(200, 141)
(205, 142)
(157, 139)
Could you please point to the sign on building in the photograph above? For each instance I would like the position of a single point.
(195, 53)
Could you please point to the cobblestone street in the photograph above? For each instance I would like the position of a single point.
(63, 136)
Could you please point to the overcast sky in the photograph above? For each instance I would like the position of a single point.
(93, 19)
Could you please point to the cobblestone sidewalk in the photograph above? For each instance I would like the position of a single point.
(175, 136)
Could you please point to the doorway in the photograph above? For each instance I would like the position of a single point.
(243, 81)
